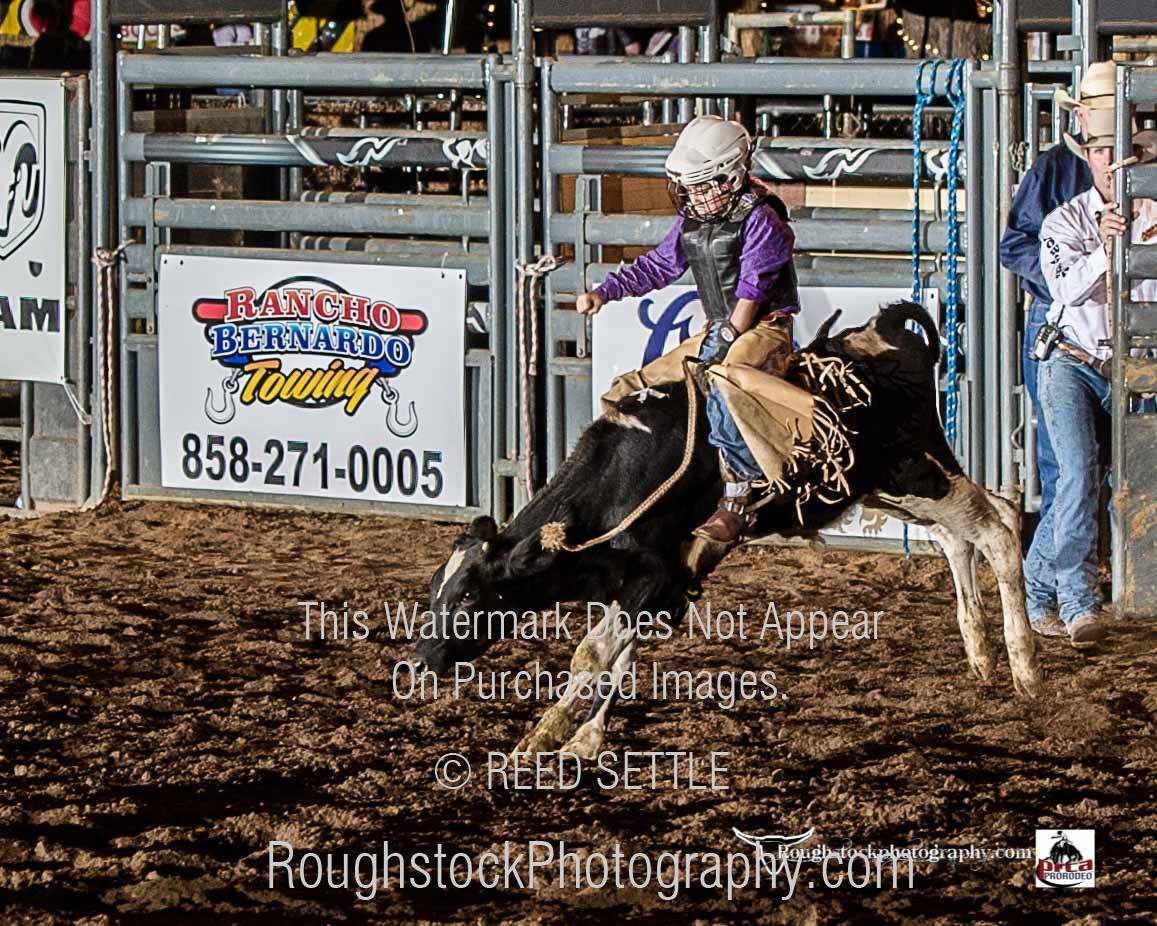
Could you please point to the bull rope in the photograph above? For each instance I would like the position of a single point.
(832, 453)
(528, 363)
(106, 260)
(552, 535)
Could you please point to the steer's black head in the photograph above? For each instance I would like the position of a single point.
(475, 585)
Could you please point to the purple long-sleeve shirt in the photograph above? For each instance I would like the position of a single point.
(767, 246)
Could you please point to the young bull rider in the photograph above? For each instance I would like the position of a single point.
(1073, 381)
(738, 248)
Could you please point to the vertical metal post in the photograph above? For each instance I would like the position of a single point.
(687, 35)
(1008, 96)
(128, 436)
(548, 135)
(1121, 342)
(709, 54)
(500, 352)
(101, 208)
(517, 494)
(973, 274)
(84, 304)
(848, 39)
(991, 330)
(280, 109)
(524, 175)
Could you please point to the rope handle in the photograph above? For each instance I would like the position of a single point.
(552, 535)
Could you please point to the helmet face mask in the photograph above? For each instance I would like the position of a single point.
(705, 201)
(707, 169)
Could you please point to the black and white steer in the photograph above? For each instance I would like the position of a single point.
(903, 464)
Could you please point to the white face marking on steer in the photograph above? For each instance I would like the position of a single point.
(630, 421)
(453, 564)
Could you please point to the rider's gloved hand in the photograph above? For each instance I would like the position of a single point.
(718, 342)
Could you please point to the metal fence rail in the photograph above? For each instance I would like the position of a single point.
(855, 233)
(469, 232)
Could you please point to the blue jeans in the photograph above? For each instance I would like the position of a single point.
(1061, 567)
(724, 432)
(1046, 461)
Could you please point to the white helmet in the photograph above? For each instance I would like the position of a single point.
(709, 150)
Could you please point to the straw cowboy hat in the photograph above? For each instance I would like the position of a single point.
(1102, 125)
(1098, 87)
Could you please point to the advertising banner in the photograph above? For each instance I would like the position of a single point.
(321, 379)
(33, 185)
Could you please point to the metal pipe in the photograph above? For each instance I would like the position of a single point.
(868, 234)
(102, 209)
(1121, 522)
(974, 272)
(524, 175)
(788, 76)
(84, 292)
(314, 72)
(687, 45)
(26, 411)
(128, 435)
(1008, 95)
(778, 159)
(334, 218)
(500, 351)
(555, 410)
(423, 149)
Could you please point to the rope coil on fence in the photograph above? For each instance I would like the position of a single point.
(106, 261)
(526, 317)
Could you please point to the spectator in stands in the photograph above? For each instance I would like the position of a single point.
(1073, 385)
(63, 41)
(1056, 176)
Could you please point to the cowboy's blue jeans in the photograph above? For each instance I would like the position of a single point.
(1061, 567)
(724, 432)
(1046, 461)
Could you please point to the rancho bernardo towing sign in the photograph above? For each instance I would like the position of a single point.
(310, 378)
(32, 229)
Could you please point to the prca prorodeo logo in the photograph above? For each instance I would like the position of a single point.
(359, 342)
(1066, 858)
(22, 135)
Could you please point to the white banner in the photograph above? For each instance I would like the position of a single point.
(310, 378)
(630, 333)
(33, 185)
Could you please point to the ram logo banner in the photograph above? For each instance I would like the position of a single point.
(360, 343)
(32, 229)
(22, 127)
(313, 378)
(629, 334)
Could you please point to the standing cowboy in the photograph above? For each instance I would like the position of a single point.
(1073, 379)
(738, 247)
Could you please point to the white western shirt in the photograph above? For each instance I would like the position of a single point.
(1073, 259)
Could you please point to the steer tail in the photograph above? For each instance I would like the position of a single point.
(893, 319)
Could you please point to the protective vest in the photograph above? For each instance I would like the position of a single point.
(713, 250)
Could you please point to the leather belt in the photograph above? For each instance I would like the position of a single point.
(1104, 368)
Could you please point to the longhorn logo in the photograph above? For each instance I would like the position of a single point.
(22, 135)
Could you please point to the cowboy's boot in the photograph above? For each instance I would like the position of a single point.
(730, 519)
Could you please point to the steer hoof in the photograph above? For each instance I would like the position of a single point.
(1027, 678)
(588, 740)
(982, 665)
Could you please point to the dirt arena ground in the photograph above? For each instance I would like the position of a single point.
(164, 719)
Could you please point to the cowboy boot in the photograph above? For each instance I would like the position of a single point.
(730, 519)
